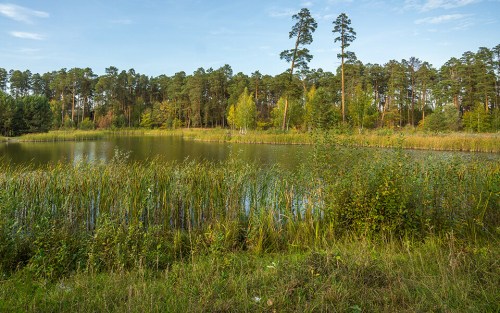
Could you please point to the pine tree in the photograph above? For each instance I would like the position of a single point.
(299, 57)
(346, 36)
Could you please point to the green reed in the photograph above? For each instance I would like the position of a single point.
(63, 135)
(120, 214)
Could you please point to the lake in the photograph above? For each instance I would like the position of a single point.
(169, 148)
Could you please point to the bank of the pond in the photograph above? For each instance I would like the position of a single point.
(354, 274)
(466, 142)
(62, 135)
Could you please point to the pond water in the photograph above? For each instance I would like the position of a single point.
(169, 148)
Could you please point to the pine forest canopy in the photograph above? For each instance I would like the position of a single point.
(397, 93)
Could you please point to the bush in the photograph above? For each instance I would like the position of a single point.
(86, 124)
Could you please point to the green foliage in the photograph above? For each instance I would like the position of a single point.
(231, 117)
(146, 120)
(495, 120)
(245, 112)
(362, 108)
(323, 113)
(32, 114)
(303, 29)
(446, 118)
(7, 109)
(86, 124)
(477, 120)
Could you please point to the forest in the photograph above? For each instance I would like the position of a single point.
(461, 94)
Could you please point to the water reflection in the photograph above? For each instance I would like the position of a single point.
(168, 148)
(173, 148)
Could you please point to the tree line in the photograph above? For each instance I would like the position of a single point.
(463, 92)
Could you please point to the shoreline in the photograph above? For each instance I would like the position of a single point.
(454, 142)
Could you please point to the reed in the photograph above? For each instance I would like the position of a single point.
(121, 214)
(449, 142)
(63, 135)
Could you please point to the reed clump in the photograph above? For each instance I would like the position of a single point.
(63, 135)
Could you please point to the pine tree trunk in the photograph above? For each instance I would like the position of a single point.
(73, 108)
(284, 115)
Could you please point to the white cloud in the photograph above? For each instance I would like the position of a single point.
(307, 4)
(221, 31)
(441, 19)
(426, 5)
(21, 14)
(26, 35)
(330, 17)
(340, 1)
(281, 12)
(124, 21)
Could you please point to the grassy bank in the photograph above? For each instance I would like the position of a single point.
(63, 135)
(354, 274)
(450, 142)
(2, 139)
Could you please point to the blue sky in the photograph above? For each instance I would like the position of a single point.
(165, 37)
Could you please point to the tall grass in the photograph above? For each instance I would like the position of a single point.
(450, 142)
(386, 138)
(121, 214)
(63, 135)
(354, 274)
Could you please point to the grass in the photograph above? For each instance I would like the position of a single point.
(354, 274)
(2, 139)
(351, 229)
(381, 138)
(449, 142)
(63, 135)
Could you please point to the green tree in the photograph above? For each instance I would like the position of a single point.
(363, 108)
(324, 114)
(477, 120)
(445, 118)
(299, 56)
(346, 36)
(231, 117)
(414, 64)
(7, 109)
(3, 79)
(245, 111)
(146, 119)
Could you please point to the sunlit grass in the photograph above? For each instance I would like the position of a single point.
(415, 140)
(450, 142)
(62, 135)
